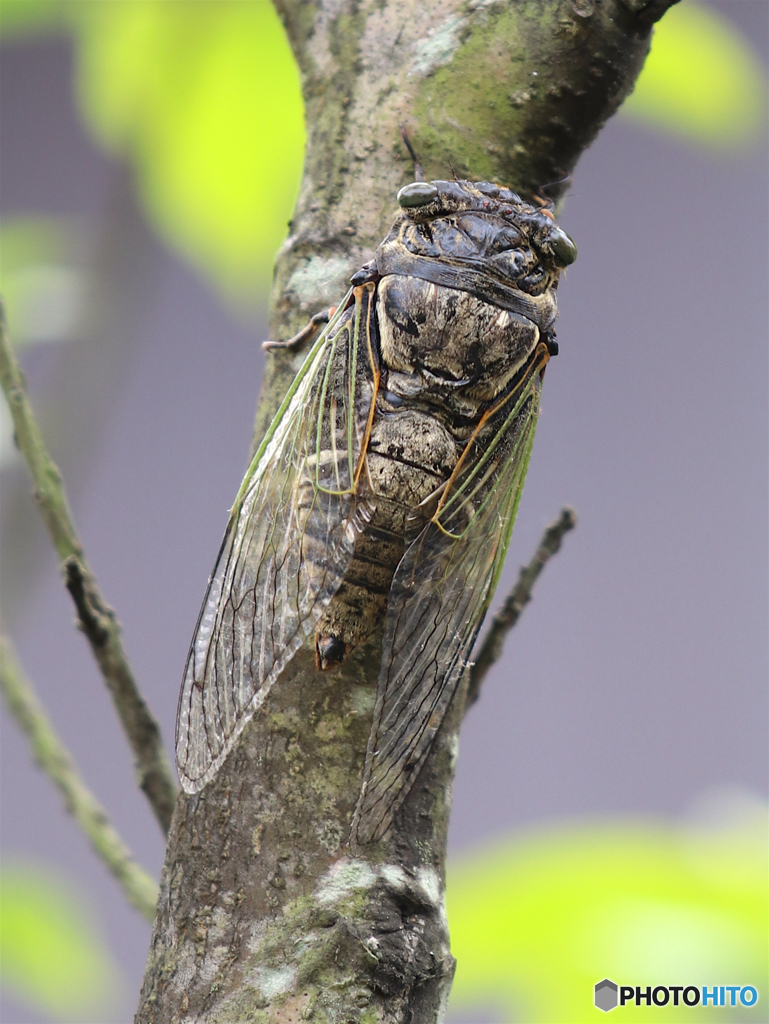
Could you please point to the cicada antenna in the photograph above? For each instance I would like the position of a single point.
(546, 202)
(419, 174)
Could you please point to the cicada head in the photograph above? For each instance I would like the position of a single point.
(480, 238)
(425, 201)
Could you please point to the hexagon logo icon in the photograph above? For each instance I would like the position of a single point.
(606, 995)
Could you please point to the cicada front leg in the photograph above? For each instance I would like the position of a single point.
(306, 332)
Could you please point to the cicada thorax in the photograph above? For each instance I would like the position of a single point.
(462, 351)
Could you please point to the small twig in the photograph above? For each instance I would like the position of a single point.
(96, 618)
(516, 601)
(53, 757)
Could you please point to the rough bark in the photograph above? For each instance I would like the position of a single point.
(265, 912)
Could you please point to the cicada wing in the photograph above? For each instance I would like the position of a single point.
(439, 596)
(288, 544)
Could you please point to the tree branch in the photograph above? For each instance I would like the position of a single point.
(265, 911)
(96, 618)
(56, 761)
(516, 601)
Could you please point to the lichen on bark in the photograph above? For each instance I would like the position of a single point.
(266, 913)
(269, 903)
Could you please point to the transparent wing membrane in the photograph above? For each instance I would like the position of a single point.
(288, 544)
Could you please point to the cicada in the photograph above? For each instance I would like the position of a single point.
(386, 488)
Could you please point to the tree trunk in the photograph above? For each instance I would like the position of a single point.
(265, 912)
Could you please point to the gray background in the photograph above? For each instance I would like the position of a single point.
(636, 680)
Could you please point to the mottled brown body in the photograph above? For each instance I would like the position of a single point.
(445, 356)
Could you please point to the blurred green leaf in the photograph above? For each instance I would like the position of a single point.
(537, 921)
(205, 98)
(51, 955)
(39, 278)
(24, 17)
(25, 240)
(702, 80)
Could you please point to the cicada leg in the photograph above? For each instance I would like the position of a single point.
(306, 332)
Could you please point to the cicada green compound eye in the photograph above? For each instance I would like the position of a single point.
(418, 193)
(564, 250)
